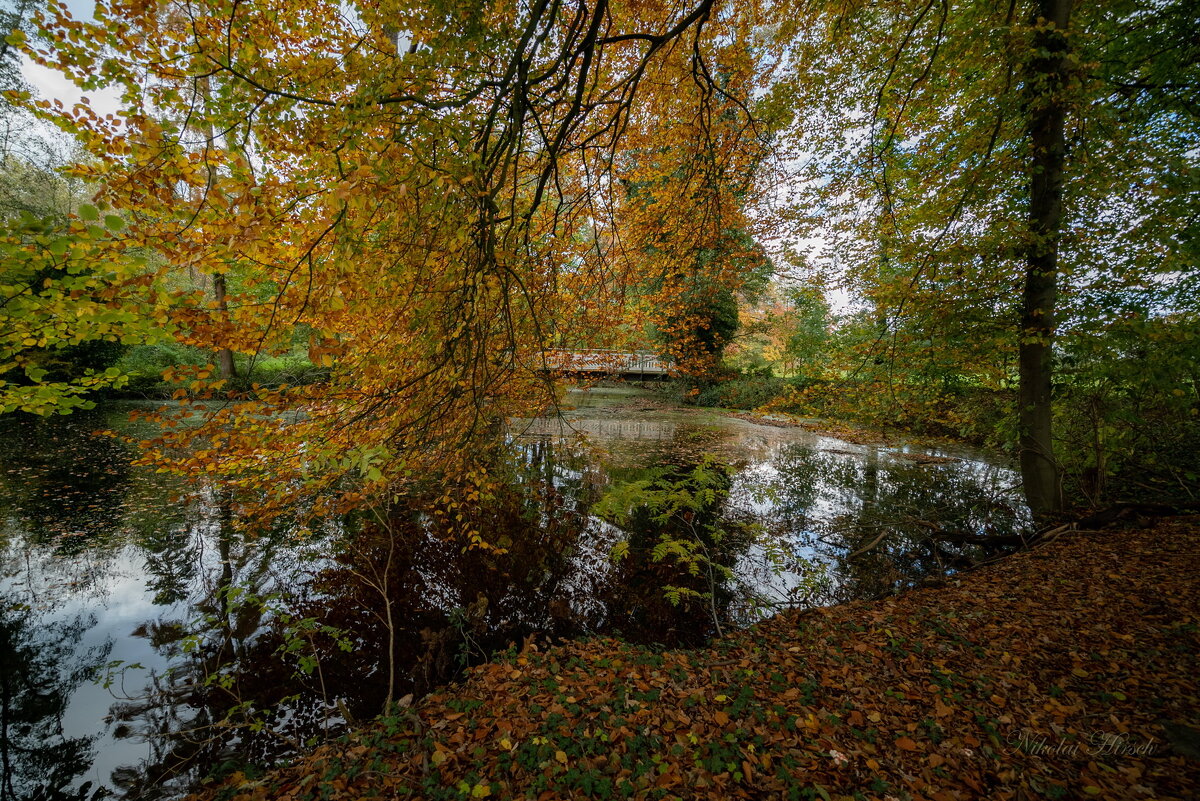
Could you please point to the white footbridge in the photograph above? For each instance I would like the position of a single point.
(608, 362)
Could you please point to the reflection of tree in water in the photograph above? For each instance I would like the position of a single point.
(681, 507)
(171, 559)
(888, 523)
(786, 489)
(70, 502)
(418, 607)
(39, 670)
(423, 606)
(223, 668)
(263, 651)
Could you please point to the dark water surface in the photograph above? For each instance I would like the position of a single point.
(145, 642)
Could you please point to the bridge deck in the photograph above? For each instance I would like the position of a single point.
(609, 362)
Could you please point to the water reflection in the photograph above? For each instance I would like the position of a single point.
(881, 522)
(42, 666)
(227, 647)
(61, 494)
(222, 692)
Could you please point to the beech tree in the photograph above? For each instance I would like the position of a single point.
(1048, 96)
(981, 169)
(71, 293)
(438, 193)
(433, 190)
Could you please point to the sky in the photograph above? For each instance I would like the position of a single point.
(53, 85)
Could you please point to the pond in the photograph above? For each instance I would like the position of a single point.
(147, 642)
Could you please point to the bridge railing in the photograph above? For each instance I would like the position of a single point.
(598, 360)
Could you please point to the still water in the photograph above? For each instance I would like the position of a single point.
(146, 643)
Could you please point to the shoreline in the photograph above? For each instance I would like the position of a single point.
(1067, 670)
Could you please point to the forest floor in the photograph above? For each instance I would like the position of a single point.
(1068, 671)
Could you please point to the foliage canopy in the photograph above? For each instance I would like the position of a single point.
(435, 194)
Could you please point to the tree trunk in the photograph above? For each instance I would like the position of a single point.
(1046, 83)
(225, 363)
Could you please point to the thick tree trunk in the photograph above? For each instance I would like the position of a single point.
(1046, 83)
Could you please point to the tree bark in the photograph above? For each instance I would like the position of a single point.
(225, 364)
(1046, 79)
(226, 367)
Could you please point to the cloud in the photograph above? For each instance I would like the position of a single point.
(53, 85)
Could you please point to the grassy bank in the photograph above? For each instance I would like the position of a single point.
(1066, 672)
(144, 364)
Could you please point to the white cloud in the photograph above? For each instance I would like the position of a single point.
(50, 84)
(53, 85)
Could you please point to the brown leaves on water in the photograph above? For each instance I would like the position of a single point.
(1069, 671)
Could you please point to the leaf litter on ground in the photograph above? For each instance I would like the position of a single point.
(1068, 671)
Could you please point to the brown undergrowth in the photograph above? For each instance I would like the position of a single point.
(1069, 671)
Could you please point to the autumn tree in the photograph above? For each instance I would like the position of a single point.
(981, 169)
(431, 191)
(438, 193)
(1047, 80)
(72, 295)
(803, 324)
(702, 304)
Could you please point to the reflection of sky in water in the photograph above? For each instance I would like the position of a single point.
(86, 536)
(810, 490)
